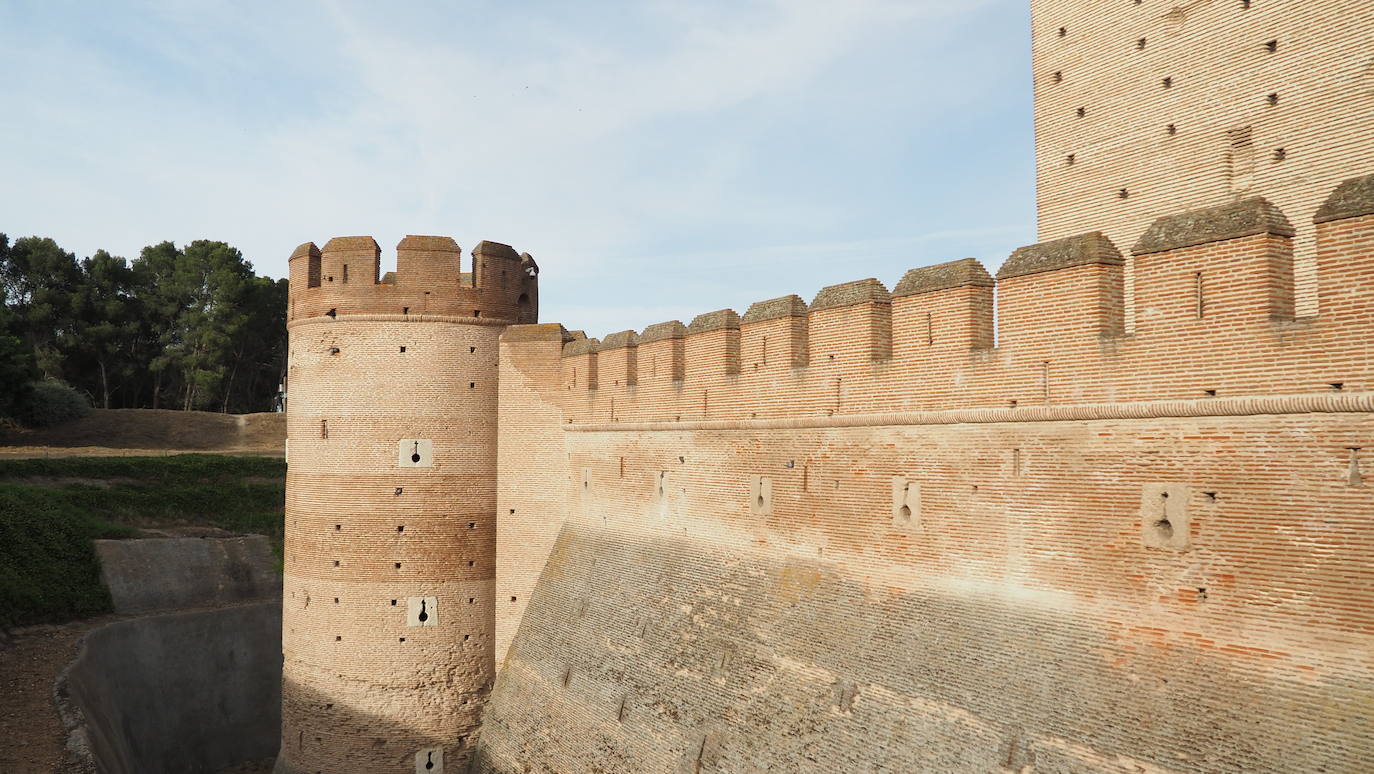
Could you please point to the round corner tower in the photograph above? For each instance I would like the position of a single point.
(388, 611)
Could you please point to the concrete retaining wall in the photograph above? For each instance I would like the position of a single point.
(172, 573)
(183, 692)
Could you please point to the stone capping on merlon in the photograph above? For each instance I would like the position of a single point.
(580, 347)
(620, 339)
(538, 332)
(966, 272)
(1083, 250)
(1354, 198)
(1250, 217)
(672, 329)
(775, 309)
(864, 291)
(720, 320)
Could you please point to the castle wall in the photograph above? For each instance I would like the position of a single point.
(905, 550)
(1272, 98)
(530, 496)
(388, 608)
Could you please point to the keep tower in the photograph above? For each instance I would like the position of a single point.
(388, 611)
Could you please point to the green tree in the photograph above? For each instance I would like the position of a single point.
(109, 323)
(40, 281)
(197, 297)
(161, 301)
(16, 361)
(258, 347)
(194, 327)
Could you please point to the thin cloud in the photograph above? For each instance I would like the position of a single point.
(620, 143)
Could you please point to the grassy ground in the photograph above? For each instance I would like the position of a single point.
(51, 510)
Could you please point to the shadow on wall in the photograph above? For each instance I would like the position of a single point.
(182, 692)
(341, 728)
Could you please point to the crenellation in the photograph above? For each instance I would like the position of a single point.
(956, 316)
(724, 319)
(1059, 333)
(427, 263)
(538, 332)
(663, 331)
(580, 364)
(583, 346)
(345, 260)
(662, 353)
(428, 281)
(304, 266)
(850, 327)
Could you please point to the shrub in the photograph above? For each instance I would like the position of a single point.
(51, 402)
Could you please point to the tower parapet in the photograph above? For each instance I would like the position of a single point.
(345, 278)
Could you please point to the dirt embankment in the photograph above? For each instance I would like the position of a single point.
(151, 432)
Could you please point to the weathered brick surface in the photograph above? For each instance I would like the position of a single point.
(1224, 59)
(1022, 620)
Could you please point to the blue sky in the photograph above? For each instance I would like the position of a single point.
(659, 159)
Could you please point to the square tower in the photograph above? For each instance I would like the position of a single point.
(1146, 108)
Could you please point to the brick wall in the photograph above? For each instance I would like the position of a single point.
(1272, 98)
(880, 544)
(530, 497)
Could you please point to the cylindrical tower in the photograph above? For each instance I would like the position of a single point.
(388, 609)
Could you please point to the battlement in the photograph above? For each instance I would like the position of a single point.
(1213, 303)
(344, 278)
